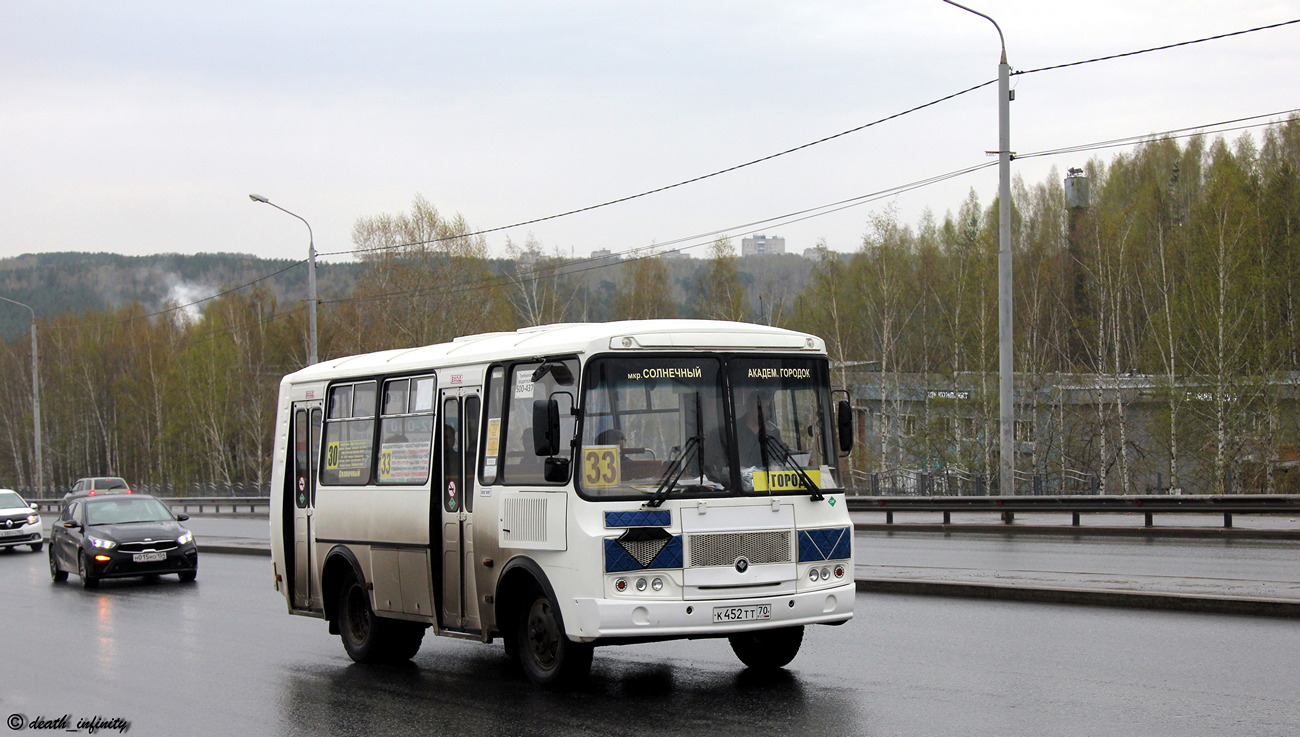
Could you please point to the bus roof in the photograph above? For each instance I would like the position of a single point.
(570, 338)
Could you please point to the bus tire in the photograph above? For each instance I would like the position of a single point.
(369, 638)
(767, 649)
(549, 658)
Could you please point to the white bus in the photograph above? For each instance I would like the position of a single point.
(567, 486)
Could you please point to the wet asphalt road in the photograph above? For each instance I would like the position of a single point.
(220, 657)
(1185, 566)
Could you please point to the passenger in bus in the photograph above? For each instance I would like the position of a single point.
(612, 436)
(749, 447)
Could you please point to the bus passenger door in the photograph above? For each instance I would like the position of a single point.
(458, 454)
(306, 445)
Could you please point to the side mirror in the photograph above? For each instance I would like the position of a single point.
(182, 517)
(546, 427)
(72, 525)
(556, 470)
(844, 425)
(563, 376)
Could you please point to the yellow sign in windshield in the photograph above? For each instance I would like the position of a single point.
(784, 480)
(600, 466)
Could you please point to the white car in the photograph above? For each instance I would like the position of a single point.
(20, 524)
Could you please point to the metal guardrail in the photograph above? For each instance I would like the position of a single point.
(186, 504)
(957, 482)
(1008, 506)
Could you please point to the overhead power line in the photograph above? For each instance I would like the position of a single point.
(667, 187)
(1166, 47)
(657, 249)
(607, 203)
(1175, 133)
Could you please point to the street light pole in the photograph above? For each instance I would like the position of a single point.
(38, 477)
(311, 277)
(1006, 362)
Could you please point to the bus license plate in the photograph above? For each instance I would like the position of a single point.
(149, 557)
(742, 613)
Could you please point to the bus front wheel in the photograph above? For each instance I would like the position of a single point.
(369, 638)
(767, 649)
(549, 658)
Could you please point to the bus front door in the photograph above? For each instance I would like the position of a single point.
(298, 546)
(458, 454)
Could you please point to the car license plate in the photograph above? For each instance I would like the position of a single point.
(742, 613)
(148, 557)
(11, 533)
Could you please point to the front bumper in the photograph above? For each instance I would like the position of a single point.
(124, 564)
(25, 535)
(595, 619)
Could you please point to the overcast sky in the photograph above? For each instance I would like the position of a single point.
(141, 127)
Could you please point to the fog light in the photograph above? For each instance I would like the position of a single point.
(813, 575)
(657, 584)
(640, 584)
(102, 558)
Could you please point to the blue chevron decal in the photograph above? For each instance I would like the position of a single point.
(618, 560)
(834, 543)
(639, 518)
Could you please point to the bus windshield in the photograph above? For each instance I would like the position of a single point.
(655, 427)
(783, 424)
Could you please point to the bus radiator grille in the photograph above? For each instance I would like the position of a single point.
(723, 549)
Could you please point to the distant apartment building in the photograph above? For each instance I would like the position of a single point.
(761, 244)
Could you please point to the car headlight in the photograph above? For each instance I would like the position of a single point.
(33, 519)
(187, 537)
(100, 543)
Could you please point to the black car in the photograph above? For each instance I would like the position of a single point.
(120, 535)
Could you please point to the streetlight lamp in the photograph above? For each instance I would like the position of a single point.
(36, 400)
(1006, 363)
(311, 277)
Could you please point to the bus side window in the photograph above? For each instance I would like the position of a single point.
(492, 428)
(472, 409)
(406, 431)
(526, 385)
(349, 434)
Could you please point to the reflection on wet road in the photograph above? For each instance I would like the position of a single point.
(221, 657)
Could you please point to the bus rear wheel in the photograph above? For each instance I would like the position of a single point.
(767, 649)
(549, 658)
(369, 638)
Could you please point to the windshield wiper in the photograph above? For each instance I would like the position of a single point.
(772, 447)
(674, 472)
(694, 446)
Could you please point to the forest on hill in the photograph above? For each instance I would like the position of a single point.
(1181, 268)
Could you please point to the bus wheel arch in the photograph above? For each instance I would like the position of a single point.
(340, 564)
(367, 637)
(530, 622)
